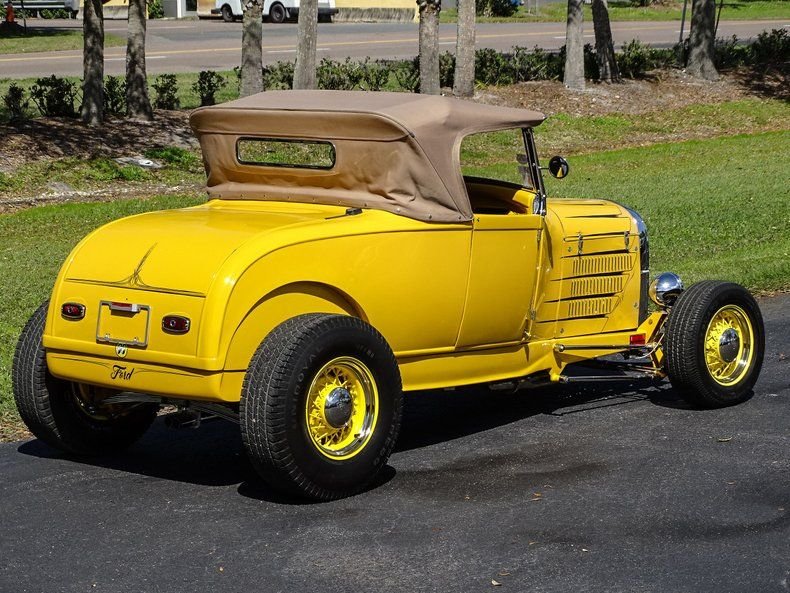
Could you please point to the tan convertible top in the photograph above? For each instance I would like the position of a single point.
(394, 151)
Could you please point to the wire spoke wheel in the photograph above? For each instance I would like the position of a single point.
(729, 343)
(341, 407)
(321, 406)
(714, 342)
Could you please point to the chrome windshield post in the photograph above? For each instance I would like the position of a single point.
(539, 205)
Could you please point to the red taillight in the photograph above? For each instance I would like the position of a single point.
(73, 311)
(638, 340)
(175, 324)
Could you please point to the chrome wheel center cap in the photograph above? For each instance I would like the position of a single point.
(729, 345)
(338, 407)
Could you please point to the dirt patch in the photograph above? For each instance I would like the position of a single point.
(665, 89)
(52, 138)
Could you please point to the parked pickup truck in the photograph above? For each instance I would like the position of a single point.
(35, 6)
(277, 11)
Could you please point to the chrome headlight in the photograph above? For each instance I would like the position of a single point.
(665, 289)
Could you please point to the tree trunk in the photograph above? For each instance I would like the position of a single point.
(464, 85)
(701, 39)
(429, 46)
(604, 48)
(251, 48)
(307, 38)
(138, 105)
(574, 47)
(93, 63)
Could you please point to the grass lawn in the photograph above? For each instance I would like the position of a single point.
(621, 10)
(561, 133)
(46, 39)
(180, 167)
(716, 208)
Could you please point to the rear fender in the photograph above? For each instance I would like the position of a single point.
(280, 304)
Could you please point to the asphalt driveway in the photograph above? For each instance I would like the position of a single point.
(608, 488)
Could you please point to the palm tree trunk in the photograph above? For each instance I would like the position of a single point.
(465, 50)
(307, 38)
(252, 49)
(701, 40)
(604, 48)
(429, 46)
(574, 47)
(93, 63)
(138, 104)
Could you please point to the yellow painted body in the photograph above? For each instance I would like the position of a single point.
(459, 304)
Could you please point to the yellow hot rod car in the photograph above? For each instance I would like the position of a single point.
(342, 259)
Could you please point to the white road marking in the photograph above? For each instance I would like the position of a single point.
(124, 59)
(292, 51)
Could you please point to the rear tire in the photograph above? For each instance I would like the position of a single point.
(227, 13)
(59, 412)
(303, 438)
(714, 342)
(277, 13)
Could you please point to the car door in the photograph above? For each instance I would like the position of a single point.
(503, 269)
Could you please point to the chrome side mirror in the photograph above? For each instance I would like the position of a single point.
(559, 167)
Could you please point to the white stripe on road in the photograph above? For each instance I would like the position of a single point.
(124, 59)
(293, 51)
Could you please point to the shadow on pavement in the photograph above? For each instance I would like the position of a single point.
(213, 455)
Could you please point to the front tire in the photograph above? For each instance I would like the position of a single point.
(321, 406)
(714, 342)
(66, 415)
(227, 13)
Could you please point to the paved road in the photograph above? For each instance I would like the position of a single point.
(555, 490)
(178, 46)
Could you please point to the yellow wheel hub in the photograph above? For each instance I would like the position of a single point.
(342, 408)
(729, 345)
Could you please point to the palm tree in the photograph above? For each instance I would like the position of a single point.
(701, 40)
(574, 47)
(429, 46)
(464, 83)
(138, 104)
(604, 48)
(93, 63)
(307, 38)
(252, 48)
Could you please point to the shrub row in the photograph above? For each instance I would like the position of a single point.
(58, 97)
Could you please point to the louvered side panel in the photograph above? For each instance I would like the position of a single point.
(591, 265)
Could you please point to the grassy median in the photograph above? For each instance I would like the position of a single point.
(49, 39)
(623, 10)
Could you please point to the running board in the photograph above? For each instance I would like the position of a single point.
(594, 378)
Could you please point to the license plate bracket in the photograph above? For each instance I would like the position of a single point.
(122, 323)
